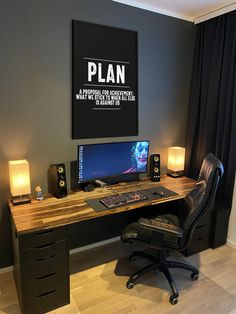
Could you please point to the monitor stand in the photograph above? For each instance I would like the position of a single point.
(127, 177)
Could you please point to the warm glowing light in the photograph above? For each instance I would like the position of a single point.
(19, 177)
(176, 157)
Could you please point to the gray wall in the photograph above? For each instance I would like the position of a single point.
(35, 89)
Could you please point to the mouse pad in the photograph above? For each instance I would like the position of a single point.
(152, 194)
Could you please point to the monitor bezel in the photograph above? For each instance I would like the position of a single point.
(115, 175)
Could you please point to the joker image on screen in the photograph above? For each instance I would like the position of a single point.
(139, 157)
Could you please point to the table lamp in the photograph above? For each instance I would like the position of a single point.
(176, 156)
(19, 181)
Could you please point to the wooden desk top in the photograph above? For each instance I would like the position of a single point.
(53, 212)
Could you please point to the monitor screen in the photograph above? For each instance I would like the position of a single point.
(98, 161)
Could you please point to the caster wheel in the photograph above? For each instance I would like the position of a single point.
(173, 300)
(129, 284)
(194, 276)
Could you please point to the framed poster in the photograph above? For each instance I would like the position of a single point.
(104, 82)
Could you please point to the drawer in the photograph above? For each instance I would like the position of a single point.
(44, 262)
(44, 252)
(50, 299)
(41, 238)
(200, 239)
(200, 231)
(43, 285)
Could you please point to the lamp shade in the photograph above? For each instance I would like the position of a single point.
(19, 177)
(176, 157)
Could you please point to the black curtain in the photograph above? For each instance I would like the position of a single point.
(211, 125)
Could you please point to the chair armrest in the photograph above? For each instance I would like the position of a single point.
(162, 226)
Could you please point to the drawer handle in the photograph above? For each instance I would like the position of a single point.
(46, 276)
(44, 232)
(46, 293)
(44, 246)
(45, 258)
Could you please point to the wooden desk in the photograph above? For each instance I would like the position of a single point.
(40, 239)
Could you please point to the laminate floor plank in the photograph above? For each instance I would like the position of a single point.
(98, 284)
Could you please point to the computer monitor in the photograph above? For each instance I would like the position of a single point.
(100, 161)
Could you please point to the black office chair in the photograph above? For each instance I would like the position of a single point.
(171, 232)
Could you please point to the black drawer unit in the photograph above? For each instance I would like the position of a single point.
(41, 269)
(201, 236)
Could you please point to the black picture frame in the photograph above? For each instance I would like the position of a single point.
(104, 81)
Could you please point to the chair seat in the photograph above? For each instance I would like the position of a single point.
(135, 231)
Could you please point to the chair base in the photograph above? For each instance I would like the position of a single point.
(162, 265)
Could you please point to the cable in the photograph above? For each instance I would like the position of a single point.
(111, 188)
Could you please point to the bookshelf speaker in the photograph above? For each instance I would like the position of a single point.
(155, 169)
(57, 180)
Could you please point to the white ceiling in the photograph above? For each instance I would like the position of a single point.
(190, 10)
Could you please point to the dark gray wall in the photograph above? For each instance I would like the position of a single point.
(35, 89)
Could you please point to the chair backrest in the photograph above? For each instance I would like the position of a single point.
(201, 199)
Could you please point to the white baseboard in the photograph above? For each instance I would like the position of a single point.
(94, 245)
(80, 249)
(231, 243)
(6, 269)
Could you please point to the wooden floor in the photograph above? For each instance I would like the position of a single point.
(98, 285)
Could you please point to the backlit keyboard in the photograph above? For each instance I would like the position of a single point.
(123, 199)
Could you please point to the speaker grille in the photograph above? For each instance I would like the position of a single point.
(155, 170)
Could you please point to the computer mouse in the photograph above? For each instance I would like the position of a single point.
(158, 193)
